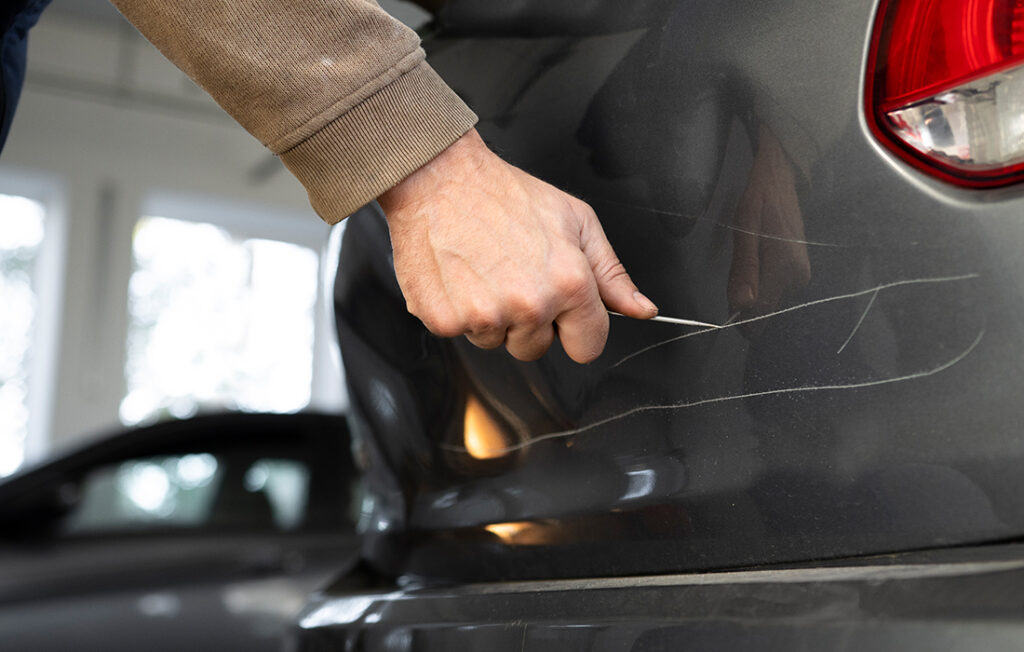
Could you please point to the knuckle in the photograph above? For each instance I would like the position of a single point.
(482, 320)
(572, 281)
(582, 208)
(528, 309)
(610, 271)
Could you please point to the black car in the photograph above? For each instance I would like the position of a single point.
(203, 534)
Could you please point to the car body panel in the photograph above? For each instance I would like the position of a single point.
(866, 403)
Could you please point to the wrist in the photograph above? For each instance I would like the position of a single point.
(459, 159)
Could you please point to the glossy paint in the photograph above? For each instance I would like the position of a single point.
(864, 396)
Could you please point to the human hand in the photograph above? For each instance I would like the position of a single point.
(769, 256)
(485, 250)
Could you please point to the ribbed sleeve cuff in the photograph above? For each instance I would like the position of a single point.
(379, 142)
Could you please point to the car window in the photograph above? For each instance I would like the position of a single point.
(285, 483)
(192, 491)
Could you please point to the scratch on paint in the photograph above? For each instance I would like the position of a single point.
(735, 397)
(801, 306)
(859, 321)
(758, 234)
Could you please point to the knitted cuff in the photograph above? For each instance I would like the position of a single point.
(379, 142)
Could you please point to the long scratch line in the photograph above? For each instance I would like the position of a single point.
(736, 397)
(700, 218)
(859, 321)
(801, 306)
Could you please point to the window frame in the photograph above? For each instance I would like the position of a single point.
(48, 287)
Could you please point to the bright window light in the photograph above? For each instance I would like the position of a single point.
(21, 234)
(217, 322)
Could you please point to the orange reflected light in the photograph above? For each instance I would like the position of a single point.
(507, 532)
(483, 436)
(521, 533)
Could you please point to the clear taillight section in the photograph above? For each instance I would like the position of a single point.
(946, 87)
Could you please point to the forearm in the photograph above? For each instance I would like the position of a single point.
(337, 88)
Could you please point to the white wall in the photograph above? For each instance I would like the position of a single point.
(105, 123)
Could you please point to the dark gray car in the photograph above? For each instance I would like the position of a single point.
(831, 182)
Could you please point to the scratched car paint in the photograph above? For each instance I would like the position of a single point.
(859, 398)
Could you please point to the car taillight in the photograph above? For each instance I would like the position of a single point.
(945, 87)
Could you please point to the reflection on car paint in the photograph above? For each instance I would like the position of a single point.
(867, 378)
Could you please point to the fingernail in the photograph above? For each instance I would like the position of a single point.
(645, 303)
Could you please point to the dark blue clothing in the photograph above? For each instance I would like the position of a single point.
(16, 17)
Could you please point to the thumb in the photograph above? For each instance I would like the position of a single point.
(618, 292)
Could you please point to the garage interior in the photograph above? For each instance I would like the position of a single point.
(113, 147)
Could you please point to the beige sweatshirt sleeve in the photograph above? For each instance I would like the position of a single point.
(338, 89)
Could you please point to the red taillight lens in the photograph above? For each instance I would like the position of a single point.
(946, 87)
